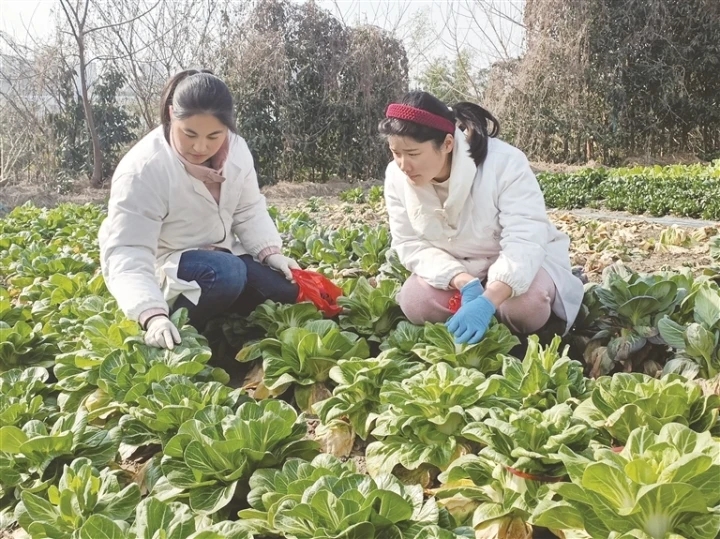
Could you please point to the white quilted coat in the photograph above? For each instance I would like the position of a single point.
(157, 211)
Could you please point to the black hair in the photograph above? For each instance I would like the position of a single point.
(468, 116)
(192, 92)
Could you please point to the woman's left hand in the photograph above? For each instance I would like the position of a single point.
(283, 264)
(471, 321)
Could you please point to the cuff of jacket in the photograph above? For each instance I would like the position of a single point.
(441, 280)
(148, 314)
(502, 270)
(267, 251)
(136, 311)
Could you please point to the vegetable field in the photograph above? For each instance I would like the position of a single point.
(686, 190)
(285, 424)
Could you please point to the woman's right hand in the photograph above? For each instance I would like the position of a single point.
(283, 264)
(162, 333)
(460, 280)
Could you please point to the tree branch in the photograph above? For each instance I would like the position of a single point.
(113, 25)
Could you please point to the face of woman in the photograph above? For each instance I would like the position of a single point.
(198, 137)
(422, 161)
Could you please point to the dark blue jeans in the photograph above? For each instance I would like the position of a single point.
(230, 284)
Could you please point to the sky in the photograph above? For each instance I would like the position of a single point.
(18, 15)
(488, 37)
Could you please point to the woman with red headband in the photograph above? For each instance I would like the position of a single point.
(466, 213)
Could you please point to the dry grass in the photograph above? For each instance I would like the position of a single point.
(12, 196)
(285, 193)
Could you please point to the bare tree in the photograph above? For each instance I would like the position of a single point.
(29, 87)
(476, 34)
(11, 147)
(145, 40)
(465, 37)
(156, 39)
(18, 79)
(76, 15)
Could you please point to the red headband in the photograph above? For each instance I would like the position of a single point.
(420, 116)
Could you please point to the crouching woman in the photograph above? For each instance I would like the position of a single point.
(466, 213)
(187, 225)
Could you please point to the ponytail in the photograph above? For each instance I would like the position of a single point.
(474, 119)
(192, 92)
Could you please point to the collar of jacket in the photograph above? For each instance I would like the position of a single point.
(206, 174)
(428, 216)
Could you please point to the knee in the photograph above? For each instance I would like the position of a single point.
(229, 274)
(286, 292)
(527, 313)
(268, 284)
(413, 310)
(419, 304)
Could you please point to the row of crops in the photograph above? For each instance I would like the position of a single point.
(361, 426)
(684, 190)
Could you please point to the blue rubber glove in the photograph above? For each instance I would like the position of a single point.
(471, 322)
(472, 290)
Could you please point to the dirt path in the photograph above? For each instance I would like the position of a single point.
(668, 220)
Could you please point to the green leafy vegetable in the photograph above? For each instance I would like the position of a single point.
(32, 458)
(81, 492)
(545, 377)
(632, 307)
(303, 357)
(371, 311)
(529, 440)
(24, 345)
(209, 460)
(486, 496)
(621, 404)
(698, 342)
(659, 486)
(486, 356)
(274, 318)
(172, 401)
(25, 396)
(424, 417)
(326, 499)
(356, 398)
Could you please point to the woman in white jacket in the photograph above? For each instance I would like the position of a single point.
(466, 213)
(187, 225)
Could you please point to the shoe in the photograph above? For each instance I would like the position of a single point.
(579, 272)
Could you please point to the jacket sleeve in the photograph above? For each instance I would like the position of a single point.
(128, 244)
(524, 225)
(252, 223)
(432, 264)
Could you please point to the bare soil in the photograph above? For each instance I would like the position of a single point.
(666, 261)
(44, 197)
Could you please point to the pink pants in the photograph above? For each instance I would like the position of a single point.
(522, 314)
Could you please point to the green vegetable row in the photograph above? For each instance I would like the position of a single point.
(688, 191)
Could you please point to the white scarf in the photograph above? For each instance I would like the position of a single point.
(429, 217)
